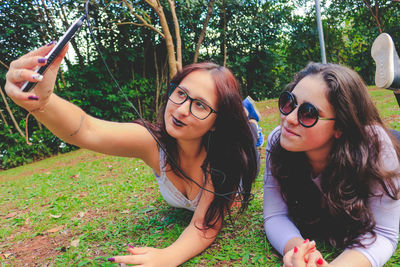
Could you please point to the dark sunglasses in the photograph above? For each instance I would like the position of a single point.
(307, 114)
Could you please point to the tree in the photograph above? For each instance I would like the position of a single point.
(10, 113)
(174, 57)
(203, 31)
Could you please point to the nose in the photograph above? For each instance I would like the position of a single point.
(292, 117)
(184, 108)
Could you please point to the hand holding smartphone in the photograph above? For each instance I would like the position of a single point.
(69, 34)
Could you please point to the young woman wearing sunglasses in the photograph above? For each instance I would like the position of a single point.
(202, 126)
(332, 173)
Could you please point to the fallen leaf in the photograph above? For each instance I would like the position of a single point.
(125, 211)
(55, 229)
(146, 210)
(55, 216)
(12, 214)
(75, 176)
(75, 243)
(83, 194)
(81, 214)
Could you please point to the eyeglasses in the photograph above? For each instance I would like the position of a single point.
(198, 108)
(307, 114)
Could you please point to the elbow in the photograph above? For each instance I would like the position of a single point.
(207, 234)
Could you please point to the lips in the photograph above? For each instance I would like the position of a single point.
(289, 132)
(177, 122)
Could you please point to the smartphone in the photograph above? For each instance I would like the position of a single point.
(69, 34)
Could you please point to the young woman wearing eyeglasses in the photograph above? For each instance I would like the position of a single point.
(202, 126)
(332, 173)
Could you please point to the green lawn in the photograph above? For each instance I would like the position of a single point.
(82, 207)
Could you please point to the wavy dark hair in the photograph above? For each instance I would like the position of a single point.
(341, 214)
(231, 159)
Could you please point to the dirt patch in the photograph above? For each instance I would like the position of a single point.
(38, 251)
(374, 89)
(269, 110)
(43, 249)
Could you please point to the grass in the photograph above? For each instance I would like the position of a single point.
(82, 207)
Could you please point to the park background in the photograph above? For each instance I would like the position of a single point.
(81, 207)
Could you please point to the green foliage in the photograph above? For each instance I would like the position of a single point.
(266, 43)
(14, 150)
(253, 38)
(19, 32)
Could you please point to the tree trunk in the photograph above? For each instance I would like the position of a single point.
(203, 31)
(158, 87)
(166, 33)
(164, 78)
(52, 28)
(10, 112)
(72, 41)
(375, 13)
(223, 26)
(177, 36)
(49, 20)
(1, 111)
(5, 121)
(168, 41)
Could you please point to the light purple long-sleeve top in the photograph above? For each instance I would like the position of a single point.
(280, 228)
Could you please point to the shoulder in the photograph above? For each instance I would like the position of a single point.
(273, 136)
(388, 158)
(146, 140)
(381, 134)
(387, 148)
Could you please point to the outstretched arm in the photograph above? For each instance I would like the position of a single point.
(69, 122)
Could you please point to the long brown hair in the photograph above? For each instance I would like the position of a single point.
(231, 160)
(353, 168)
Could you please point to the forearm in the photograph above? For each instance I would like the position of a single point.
(280, 231)
(191, 242)
(63, 119)
(350, 258)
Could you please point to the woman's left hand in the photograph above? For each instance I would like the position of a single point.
(306, 255)
(144, 256)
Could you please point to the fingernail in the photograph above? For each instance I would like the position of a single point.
(111, 259)
(37, 77)
(130, 246)
(320, 261)
(295, 249)
(52, 42)
(305, 241)
(33, 97)
(42, 60)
